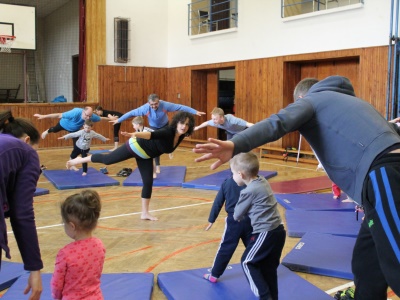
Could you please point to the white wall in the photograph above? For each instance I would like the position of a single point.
(61, 42)
(160, 39)
(149, 31)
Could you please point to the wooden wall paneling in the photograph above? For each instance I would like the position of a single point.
(198, 84)
(95, 44)
(373, 77)
(261, 86)
(155, 82)
(212, 99)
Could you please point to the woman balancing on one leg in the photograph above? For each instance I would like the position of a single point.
(144, 146)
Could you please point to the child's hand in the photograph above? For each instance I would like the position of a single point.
(209, 226)
(61, 137)
(107, 139)
(114, 121)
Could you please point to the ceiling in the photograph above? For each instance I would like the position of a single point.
(43, 7)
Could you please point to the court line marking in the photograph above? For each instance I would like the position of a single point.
(125, 215)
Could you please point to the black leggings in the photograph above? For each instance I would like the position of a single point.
(76, 151)
(116, 132)
(122, 153)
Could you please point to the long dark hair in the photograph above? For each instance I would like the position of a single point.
(18, 127)
(181, 117)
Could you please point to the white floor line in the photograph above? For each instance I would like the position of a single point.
(124, 215)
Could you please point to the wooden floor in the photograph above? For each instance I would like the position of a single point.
(177, 241)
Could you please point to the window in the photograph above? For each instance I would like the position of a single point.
(292, 8)
(204, 17)
(121, 40)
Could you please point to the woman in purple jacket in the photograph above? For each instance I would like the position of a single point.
(19, 173)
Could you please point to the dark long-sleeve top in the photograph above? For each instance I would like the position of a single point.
(111, 112)
(161, 141)
(346, 132)
(229, 194)
(19, 173)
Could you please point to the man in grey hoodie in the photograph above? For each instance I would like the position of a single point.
(366, 168)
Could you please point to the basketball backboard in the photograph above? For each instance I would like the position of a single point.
(19, 21)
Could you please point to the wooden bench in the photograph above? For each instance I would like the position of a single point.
(277, 153)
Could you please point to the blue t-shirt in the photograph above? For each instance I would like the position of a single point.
(72, 120)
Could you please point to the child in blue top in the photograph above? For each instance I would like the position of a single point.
(261, 258)
(234, 231)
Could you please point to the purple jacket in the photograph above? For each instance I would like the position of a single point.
(19, 173)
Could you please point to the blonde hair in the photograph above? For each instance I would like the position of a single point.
(218, 111)
(246, 163)
(138, 120)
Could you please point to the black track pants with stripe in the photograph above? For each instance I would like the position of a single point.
(260, 262)
(376, 255)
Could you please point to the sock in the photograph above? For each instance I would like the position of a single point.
(210, 278)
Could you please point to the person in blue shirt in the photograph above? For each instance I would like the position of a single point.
(70, 121)
(156, 111)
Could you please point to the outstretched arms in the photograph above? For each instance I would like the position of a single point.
(48, 116)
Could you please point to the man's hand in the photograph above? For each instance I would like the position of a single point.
(222, 150)
(39, 116)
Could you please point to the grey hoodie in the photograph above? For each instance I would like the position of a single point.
(345, 132)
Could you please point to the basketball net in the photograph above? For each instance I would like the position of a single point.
(6, 41)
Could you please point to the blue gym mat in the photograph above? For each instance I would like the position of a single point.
(40, 191)
(323, 201)
(9, 273)
(343, 223)
(322, 254)
(122, 286)
(169, 176)
(189, 284)
(214, 181)
(68, 179)
(99, 151)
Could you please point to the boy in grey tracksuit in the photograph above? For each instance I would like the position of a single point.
(82, 145)
(262, 255)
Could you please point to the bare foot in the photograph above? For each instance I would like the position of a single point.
(45, 133)
(84, 174)
(171, 156)
(158, 170)
(111, 150)
(148, 216)
(73, 168)
(336, 197)
(154, 175)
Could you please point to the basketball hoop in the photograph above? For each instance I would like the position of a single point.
(6, 41)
